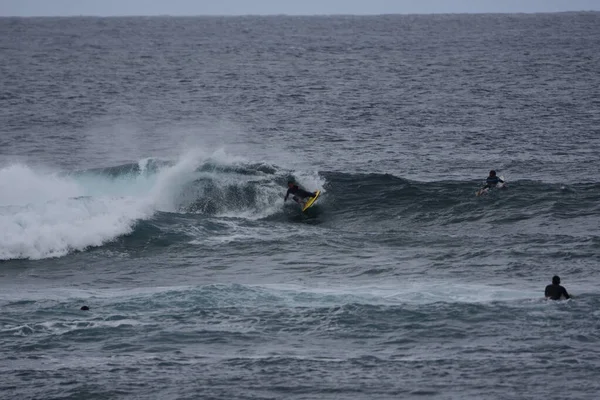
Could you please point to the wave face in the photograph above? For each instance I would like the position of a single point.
(49, 214)
(382, 196)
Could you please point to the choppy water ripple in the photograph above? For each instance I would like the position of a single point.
(227, 338)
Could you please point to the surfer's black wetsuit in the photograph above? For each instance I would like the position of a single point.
(555, 291)
(492, 181)
(298, 193)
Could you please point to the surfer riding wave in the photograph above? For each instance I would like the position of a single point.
(298, 193)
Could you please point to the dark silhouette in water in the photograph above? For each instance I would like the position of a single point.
(555, 291)
(85, 308)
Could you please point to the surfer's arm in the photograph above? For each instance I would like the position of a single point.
(564, 293)
(286, 195)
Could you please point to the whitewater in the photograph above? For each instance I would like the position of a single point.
(49, 214)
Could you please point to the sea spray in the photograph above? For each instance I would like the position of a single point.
(46, 214)
(49, 214)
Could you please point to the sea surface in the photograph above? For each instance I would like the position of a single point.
(143, 165)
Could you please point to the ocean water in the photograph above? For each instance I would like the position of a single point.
(143, 164)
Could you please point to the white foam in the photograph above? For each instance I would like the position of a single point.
(170, 180)
(297, 295)
(20, 185)
(310, 180)
(47, 214)
(222, 157)
(56, 227)
(408, 293)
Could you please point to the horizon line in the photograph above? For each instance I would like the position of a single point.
(296, 15)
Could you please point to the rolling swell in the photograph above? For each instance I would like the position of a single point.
(221, 189)
(532, 221)
(365, 202)
(381, 197)
(157, 203)
(51, 214)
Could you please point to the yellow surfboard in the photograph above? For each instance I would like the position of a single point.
(311, 201)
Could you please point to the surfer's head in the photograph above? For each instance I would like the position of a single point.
(492, 173)
(290, 183)
(556, 280)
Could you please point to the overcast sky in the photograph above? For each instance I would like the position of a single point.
(292, 7)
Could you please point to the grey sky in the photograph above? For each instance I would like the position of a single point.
(293, 7)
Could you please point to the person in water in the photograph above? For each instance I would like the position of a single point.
(492, 180)
(556, 291)
(299, 194)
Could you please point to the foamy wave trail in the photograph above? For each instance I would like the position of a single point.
(49, 214)
(45, 214)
